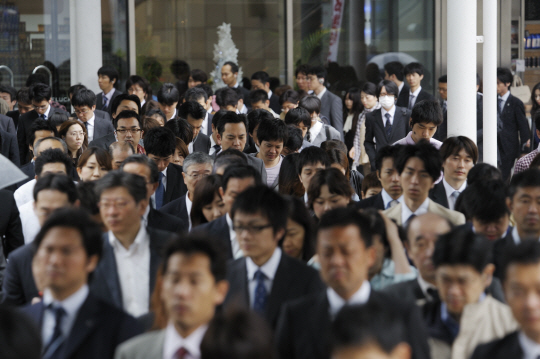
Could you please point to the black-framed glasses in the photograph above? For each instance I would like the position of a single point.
(130, 130)
(251, 229)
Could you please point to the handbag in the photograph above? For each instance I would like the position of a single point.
(519, 90)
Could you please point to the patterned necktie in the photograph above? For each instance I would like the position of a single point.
(44, 116)
(105, 102)
(181, 353)
(411, 101)
(160, 191)
(499, 121)
(259, 304)
(53, 346)
(388, 126)
(444, 107)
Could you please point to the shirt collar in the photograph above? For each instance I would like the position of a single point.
(336, 302)
(91, 120)
(269, 268)
(174, 341)
(320, 95)
(140, 239)
(505, 96)
(392, 112)
(71, 304)
(531, 349)
(173, 116)
(386, 197)
(270, 94)
(516, 237)
(424, 285)
(48, 111)
(400, 87)
(406, 212)
(449, 189)
(109, 95)
(415, 93)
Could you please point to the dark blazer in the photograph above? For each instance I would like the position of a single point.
(23, 131)
(103, 142)
(10, 148)
(176, 187)
(29, 170)
(245, 95)
(219, 230)
(403, 100)
(274, 103)
(177, 208)
(15, 117)
(102, 124)
(438, 194)
(19, 286)
(500, 248)
(209, 124)
(98, 329)
(403, 97)
(304, 326)
(505, 348)
(166, 222)
(293, 279)
(10, 224)
(332, 108)
(375, 129)
(99, 101)
(371, 202)
(202, 143)
(7, 124)
(442, 130)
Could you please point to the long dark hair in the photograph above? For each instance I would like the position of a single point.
(288, 181)
(357, 107)
(535, 105)
(299, 214)
(205, 191)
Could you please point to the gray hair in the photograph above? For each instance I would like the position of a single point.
(64, 144)
(197, 158)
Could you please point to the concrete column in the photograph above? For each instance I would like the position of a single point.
(490, 81)
(289, 31)
(85, 42)
(461, 41)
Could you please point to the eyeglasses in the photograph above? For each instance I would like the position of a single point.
(196, 176)
(82, 112)
(130, 130)
(251, 229)
(118, 204)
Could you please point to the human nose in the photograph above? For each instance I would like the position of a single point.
(216, 212)
(414, 179)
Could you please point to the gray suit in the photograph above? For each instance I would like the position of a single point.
(332, 107)
(326, 133)
(6, 124)
(144, 346)
(102, 124)
(103, 142)
(255, 162)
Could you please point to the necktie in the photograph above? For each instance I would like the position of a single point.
(259, 304)
(409, 220)
(434, 294)
(86, 125)
(499, 121)
(216, 148)
(44, 116)
(444, 106)
(392, 203)
(454, 197)
(388, 126)
(53, 346)
(181, 353)
(160, 191)
(105, 102)
(411, 101)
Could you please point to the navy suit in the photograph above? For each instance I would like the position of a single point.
(9, 147)
(438, 194)
(166, 222)
(219, 230)
(403, 100)
(7, 124)
(19, 287)
(176, 187)
(505, 348)
(371, 202)
(202, 143)
(500, 248)
(177, 208)
(103, 142)
(274, 103)
(403, 97)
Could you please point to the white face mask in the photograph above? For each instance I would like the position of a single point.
(386, 101)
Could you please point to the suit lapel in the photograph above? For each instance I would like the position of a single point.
(226, 236)
(379, 203)
(439, 194)
(156, 247)
(85, 322)
(280, 288)
(319, 322)
(110, 273)
(239, 284)
(172, 178)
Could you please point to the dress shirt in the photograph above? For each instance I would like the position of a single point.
(387, 198)
(270, 93)
(269, 270)
(212, 144)
(189, 204)
(516, 237)
(392, 113)
(409, 141)
(173, 341)
(415, 94)
(71, 305)
(243, 110)
(450, 190)
(314, 130)
(406, 212)
(305, 198)
(531, 349)
(90, 128)
(504, 99)
(204, 129)
(190, 146)
(173, 116)
(424, 286)
(109, 97)
(25, 193)
(29, 222)
(143, 102)
(336, 302)
(133, 267)
(400, 87)
(164, 181)
(237, 252)
(320, 95)
(47, 112)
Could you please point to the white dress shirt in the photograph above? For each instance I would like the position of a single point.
(90, 128)
(400, 87)
(336, 302)
(406, 212)
(387, 198)
(29, 222)
(269, 270)
(314, 130)
(516, 237)
(173, 116)
(320, 95)
(504, 99)
(424, 286)
(133, 267)
(204, 128)
(531, 349)
(237, 252)
(189, 204)
(392, 113)
(47, 112)
(415, 94)
(109, 97)
(408, 140)
(450, 190)
(164, 181)
(25, 193)
(174, 341)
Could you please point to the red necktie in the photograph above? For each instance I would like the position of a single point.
(181, 353)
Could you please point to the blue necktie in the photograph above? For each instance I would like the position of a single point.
(44, 116)
(54, 345)
(499, 111)
(259, 304)
(388, 127)
(105, 102)
(160, 192)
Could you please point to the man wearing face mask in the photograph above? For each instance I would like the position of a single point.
(387, 124)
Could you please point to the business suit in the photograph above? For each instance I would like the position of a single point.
(500, 250)
(332, 107)
(14, 115)
(375, 130)
(304, 326)
(403, 96)
(219, 230)
(29, 170)
(11, 236)
(202, 143)
(177, 208)
(505, 348)
(442, 129)
(10, 148)
(98, 329)
(19, 287)
(7, 124)
(327, 133)
(293, 279)
(438, 194)
(209, 124)
(99, 101)
(176, 187)
(166, 222)
(254, 162)
(403, 101)
(102, 124)
(103, 142)
(514, 127)
(371, 202)
(454, 217)
(146, 346)
(274, 103)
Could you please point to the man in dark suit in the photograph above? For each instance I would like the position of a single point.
(68, 249)
(10, 229)
(229, 76)
(97, 125)
(235, 180)
(9, 147)
(304, 326)
(108, 82)
(260, 80)
(512, 125)
(194, 114)
(127, 128)
(442, 130)
(387, 125)
(393, 71)
(7, 124)
(266, 277)
(24, 105)
(40, 95)
(168, 98)
(331, 105)
(414, 73)
(197, 94)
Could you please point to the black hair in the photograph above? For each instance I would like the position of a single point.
(536, 116)
(288, 181)
(453, 145)
(226, 96)
(230, 117)
(160, 141)
(387, 152)
(310, 156)
(230, 157)
(527, 178)
(295, 140)
(427, 111)
(258, 96)
(126, 114)
(483, 172)
(75, 88)
(535, 106)
(181, 129)
(329, 145)
(84, 97)
(40, 124)
(206, 88)
(298, 213)
(461, 246)
(168, 94)
(486, 201)
(195, 94)
(56, 182)
(318, 71)
(143, 160)
(23, 96)
(37, 78)
(217, 116)
(198, 75)
(311, 103)
(111, 73)
(298, 115)
(10, 90)
(347, 216)
(193, 109)
(390, 87)
(155, 111)
(524, 253)
(57, 119)
(394, 68)
(19, 336)
(504, 75)
(53, 155)
(134, 184)
(272, 130)
(425, 152)
(413, 67)
(289, 96)
(261, 76)
(304, 68)
(40, 92)
(255, 117)
(124, 96)
(240, 171)
(142, 82)
(443, 79)
(370, 181)
(335, 180)
(87, 197)
(234, 67)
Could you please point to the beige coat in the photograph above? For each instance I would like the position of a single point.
(456, 218)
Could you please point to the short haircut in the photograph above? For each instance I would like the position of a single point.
(524, 253)
(261, 76)
(301, 69)
(195, 94)
(181, 129)
(142, 82)
(217, 116)
(124, 115)
(295, 140)
(272, 130)
(240, 172)
(40, 92)
(9, 90)
(229, 157)
(289, 96)
(40, 124)
(335, 180)
(527, 178)
(53, 155)
(75, 88)
(318, 71)
(255, 117)
(452, 146)
(337, 156)
(329, 145)
(160, 141)
(425, 152)
(125, 97)
(347, 216)
(87, 197)
(103, 157)
(387, 152)
(58, 118)
(226, 96)
(84, 97)
(298, 115)
(134, 184)
(427, 111)
(56, 182)
(234, 66)
(41, 140)
(23, 96)
(198, 75)
(111, 73)
(390, 87)
(206, 88)
(195, 243)
(443, 79)
(155, 111)
(264, 201)
(311, 103)
(413, 67)
(311, 156)
(394, 68)
(150, 122)
(258, 96)
(370, 181)
(486, 201)
(483, 172)
(122, 146)
(504, 75)
(193, 109)
(461, 246)
(230, 117)
(197, 158)
(145, 161)
(168, 94)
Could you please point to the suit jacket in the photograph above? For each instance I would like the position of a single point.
(177, 208)
(219, 230)
(99, 101)
(10, 224)
(327, 133)
(29, 170)
(146, 346)
(102, 124)
(254, 162)
(500, 248)
(505, 348)
(176, 187)
(375, 129)
(10, 148)
(438, 194)
(103, 142)
(166, 222)
(209, 124)
(403, 97)
(98, 329)
(7, 124)
(403, 100)
(293, 279)
(442, 130)
(274, 103)
(245, 94)
(456, 218)
(371, 202)
(304, 326)
(202, 143)
(19, 286)
(332, 107)
(15, 117)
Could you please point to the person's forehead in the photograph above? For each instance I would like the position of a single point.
(199, 167)
(179, 261)
(234, 127)
(249, 217)
(424, 124)
(340, 235)
(138, 169)
(128, 103)
(457, 270)
(416, 163)
(62, 236)
(44, 197)
(115, 192)
(226, 68)
(128, 122)
(529, 190)
(310, 166)
(191, 118)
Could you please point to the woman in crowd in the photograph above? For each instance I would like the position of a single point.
(352, 108)
(207, 202)
(535, 100)
(180, 153)
(339, 160)
(93, 164)
(288, 180)
(328, 189)
(288, 100)
(73, 132)
(137, 85)
(58, 118)
(157, 115)
(299, 238)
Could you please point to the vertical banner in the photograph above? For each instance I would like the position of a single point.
(337, 16)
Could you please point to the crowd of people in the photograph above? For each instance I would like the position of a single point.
(270, 222)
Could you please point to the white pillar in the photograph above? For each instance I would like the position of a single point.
(289, 61)
(461, 46)
(85, 42)
(490, 81)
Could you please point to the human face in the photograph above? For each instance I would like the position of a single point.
(423, 131)
(261, 105)
(84, 113)
(415, 180)
(190, 292)
(348, 102)
(443, 90)
(215, 209)
(235, 186)
(127, 105)
(40, 107)
(389, 178)
(256, 237)
(192, 83)
(161, 162)
(63, 262)
(287, 106)
(303, 128)
(537, 96)
(502, 88)
(383, 96)
(414, 80)
(457, 166)
(196, 123)
(74, 137)
(344, 259)
(258, 85)
(135, 89)
(194, 173)
(43, 134)
(105, 83)
(270, 151)
(492, 230)
(92, 170)
(55, 168)
(25, 107)
(301, 82)
(7, 97)
(118, 157)
(159, 119)
(144, 171)
(308, 171)
(525, 206)
(234, 135)
(168, 110)
(369, 101)
(328, 201)
(48, 201)
(119, 210)
(293, 243)
(128, 130)
(372, 191)
(460, 285)
(313, 82)
(227, 76)
(178, 159)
